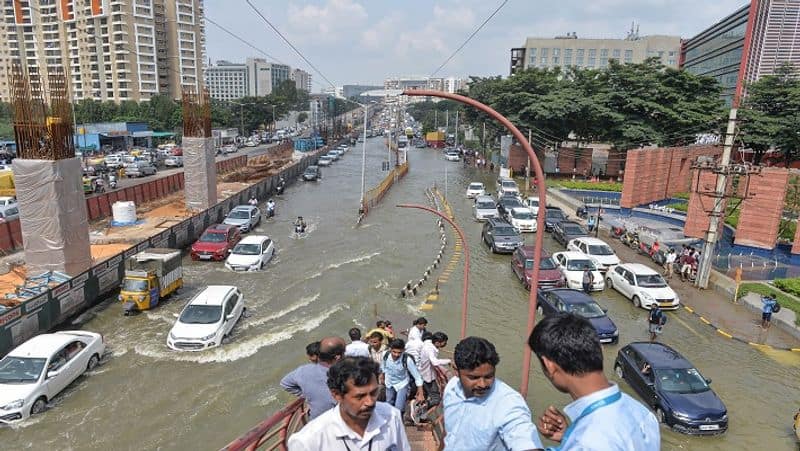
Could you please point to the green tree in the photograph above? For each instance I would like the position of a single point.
(302, 117)
(6, 121)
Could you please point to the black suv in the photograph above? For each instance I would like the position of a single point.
(506, 203)
(552, 216)
(501, 236)
(564, 231)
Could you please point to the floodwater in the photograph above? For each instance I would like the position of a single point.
(145, 396)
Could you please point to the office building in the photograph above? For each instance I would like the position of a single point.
(350, 91)
(749, 43)
(110, 50)
(571, 51)
(302, 80)
(227, 81)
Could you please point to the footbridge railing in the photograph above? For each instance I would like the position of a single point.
(272, 433)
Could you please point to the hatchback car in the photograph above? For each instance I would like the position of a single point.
(552, 216)
(506, 185)
(7, 202)
(505, 204)
(246, 217)
(333, 155)
(642, 285)
(36, 371)
(500, 236)
(565, 231)
(312, 174)
(207, 319)
(484, 208)
(174, 161)
(251, 254)
(668, 383)
(597, 249)
(522, 265)
(475, 189)
(216, 242)
(572, 266)
(522, 219)
(140, 169)
(9, 214)
(325, 160)
(452, 155)
(566, 300)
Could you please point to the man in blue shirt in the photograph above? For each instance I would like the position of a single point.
(481, 412)
(602, 417)
(768, 306)
(311, 380)
(396, 368)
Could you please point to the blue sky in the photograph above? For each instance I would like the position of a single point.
(364, 41)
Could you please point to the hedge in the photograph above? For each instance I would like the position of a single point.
(580, 184)
(783, 298)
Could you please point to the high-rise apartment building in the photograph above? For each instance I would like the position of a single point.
(302, 79)
(571, 51)
(110, 49)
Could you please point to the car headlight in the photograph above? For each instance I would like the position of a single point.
(616, 333)
(172, 337)
(677, 299)
(208, 337)
(724, 417)
(681, 415)
(141, 298)
(647, 296)
(13, 405)
(254, 266)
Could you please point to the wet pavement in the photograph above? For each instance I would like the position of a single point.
(145, 396)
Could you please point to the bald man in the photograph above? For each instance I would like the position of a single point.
(311, 380)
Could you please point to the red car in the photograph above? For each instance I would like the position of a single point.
(522, 265)
(216, 242)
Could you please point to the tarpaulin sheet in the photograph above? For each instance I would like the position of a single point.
(200, 173)
(53, 217)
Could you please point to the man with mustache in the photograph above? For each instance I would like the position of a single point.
(480, 411)
(359, 421)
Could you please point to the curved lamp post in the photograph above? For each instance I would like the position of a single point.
(466, 261)
(541, 187)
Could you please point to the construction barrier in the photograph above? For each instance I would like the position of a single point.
(59, 303)
(374, 196)
(411, 288)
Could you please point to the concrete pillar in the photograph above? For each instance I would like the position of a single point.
(53, 217)
(200, 172)
(697, 215)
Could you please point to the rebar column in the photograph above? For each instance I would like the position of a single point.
(199, 166)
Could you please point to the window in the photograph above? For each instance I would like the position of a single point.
(628, 56)
(580, 53)
(604, 53)
(567, 53)
(591, 62)
(532, 56)
(579, 61)
(555, 60)
(592, 53)
(543, 61)
(556, 52)
(672, 62)
(616, 53)
(567, 60)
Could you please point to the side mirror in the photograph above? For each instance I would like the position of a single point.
(175, 315)
(605, 310)
(708, 381)
(52, 374)
(229, 317)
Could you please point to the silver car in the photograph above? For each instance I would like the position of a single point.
(140, 169)
(246, 217)
(485, 208)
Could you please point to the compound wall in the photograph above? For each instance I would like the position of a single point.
(697, 217)
(761, 211)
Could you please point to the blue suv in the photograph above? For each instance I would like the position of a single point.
(567, 300)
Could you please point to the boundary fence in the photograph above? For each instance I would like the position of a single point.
(375, 195)
(56, 305)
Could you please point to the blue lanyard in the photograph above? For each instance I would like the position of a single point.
(610, 399)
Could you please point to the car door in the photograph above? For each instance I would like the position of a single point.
(518, 264)
(58, 374)
(633, 372)
(270, 249)
(630, 284)
(230, 317)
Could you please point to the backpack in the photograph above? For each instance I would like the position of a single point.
(405, 358)
(776, 307)
(657, 316)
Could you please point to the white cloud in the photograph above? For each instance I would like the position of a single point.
(331, 22)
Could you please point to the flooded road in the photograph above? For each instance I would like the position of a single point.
(145, 396)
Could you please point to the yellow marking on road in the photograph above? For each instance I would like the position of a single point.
(759, 345)
(432, 298)
(724, 334)
(686, 325)
(426, 307)
(795, 349)
(688, 309)
(705, 320)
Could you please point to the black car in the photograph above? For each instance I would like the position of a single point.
(501, 236)
(506, 203)
(567, 300)
(552, 216)
(565, 231)
(311, 173)
(668, 383)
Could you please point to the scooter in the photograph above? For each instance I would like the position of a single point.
(270, 213)
(112, 182)
(582, 212)
(281, 186)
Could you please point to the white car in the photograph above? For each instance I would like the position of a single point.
(246, 217)
(475, 189)
(325, 160)
(522, 219)
(572, 264)
(643, 285)
(597, 249)
(207, 319)
(251, 253)
(174, 161)
(36, 371)
(533, 205)
(485, 208)
(344, 148)
(7, 201)
(507, 186)
(452, 156)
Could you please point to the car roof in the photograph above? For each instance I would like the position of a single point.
(574, 255)
(499, 222)
(566, 222)
(212, 295)
(254, 239)
(244, 207)
(312, 166)
(7, 198)
(660, 355)
(476, 183)
(484, 198)
(590, 240)
(221, 228)
(44, 345)
(527, 251)
(550, 207)
(571, 296)
(638, 268)
(520, 210)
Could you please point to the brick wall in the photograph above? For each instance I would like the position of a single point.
(697, 217)
(616, 163)
(575, 161)
(760, 215)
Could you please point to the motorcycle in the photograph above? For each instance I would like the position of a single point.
(281, 186)
(270, 213)
(299, 229)
(112, 182)
(582, 212)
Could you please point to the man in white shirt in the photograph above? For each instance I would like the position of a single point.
(415, 333)
(358, 421)
(428, 359)
(669, 264)
(414, 347)
(357, 348)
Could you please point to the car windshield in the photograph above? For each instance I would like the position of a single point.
(572, 229)
(134, 285)
(681, 380)
(555, 215)
(510, 202)
(475, 186)
(547, 263)
(239, 214)
(509, 184)
(485, 205)
(20, 369)
(504, 231)
(212, 237)
(201, 314)
(600, 249)
(651, 281)
(247, 249)
(580, 265)
(587, 310)
(522, 214)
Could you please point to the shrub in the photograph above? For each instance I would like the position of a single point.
(580, 184)
(684, 207)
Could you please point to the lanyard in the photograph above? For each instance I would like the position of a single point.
(610, 399)
(344, 440)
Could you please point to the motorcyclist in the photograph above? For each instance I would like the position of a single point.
(300, 225)
(253, 201)
(270, 208)
(112, 181)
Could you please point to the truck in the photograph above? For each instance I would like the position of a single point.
(150, 276)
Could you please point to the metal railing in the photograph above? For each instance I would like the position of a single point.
(272, 433)
(593, 201)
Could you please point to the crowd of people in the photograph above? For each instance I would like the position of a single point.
(356, 393)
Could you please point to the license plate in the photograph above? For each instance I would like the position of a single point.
(205, 257)
(606, 340)
(709, 427)
(239, 268)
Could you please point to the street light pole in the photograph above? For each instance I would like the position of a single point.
(274, 124)
(364, 161)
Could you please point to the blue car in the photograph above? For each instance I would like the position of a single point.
(567, 300)
(670, 385)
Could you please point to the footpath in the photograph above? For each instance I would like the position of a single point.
(739, 321)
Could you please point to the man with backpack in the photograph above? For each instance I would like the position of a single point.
(656, 320)
(397, 369)
(769, 306)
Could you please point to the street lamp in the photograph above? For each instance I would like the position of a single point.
(274, 124)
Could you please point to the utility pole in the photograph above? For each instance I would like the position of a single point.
(364, 160)
(528, 168)
(456, 128)
(436, 120)
(704, 268)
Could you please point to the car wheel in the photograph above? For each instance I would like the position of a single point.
(636, 301)
(93, 362)
(39, 406)
(660, 415)
(261, 265)
(609, 283)
(494, 249)
(618, 370)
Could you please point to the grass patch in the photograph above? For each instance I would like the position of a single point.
(684, 196)
(615, 187)
(684, 207)
(783, 298)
